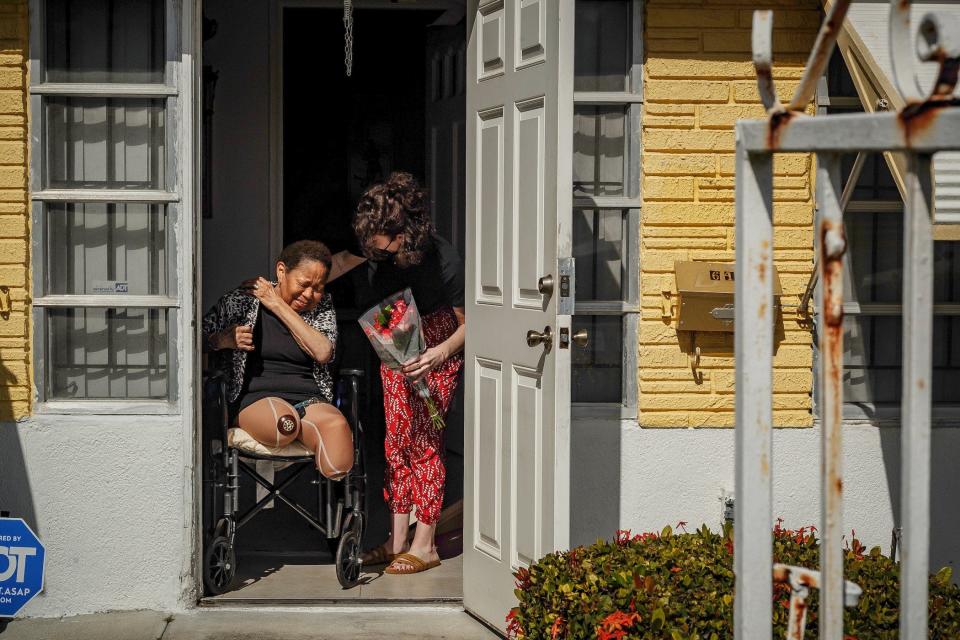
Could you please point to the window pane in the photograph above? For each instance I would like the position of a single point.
(602, 45)
(107, 353)
(105, 143)
(598, 367)
(875, 257)
(874, 272)
(105, 41)
(839, 82)
(599, 148)
(876, 182)
(106, 248)
(946, 272)
(600, 251)
(873, 355)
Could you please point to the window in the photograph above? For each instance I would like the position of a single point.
(105, 202)
(873, 277)
(606, 200)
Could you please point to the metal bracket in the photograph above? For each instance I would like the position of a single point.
(566, 270)
(5, 305)
(723, 313)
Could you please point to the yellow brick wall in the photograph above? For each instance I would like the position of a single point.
(698, 81)
(14, 211)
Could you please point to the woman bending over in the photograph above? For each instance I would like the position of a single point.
(281, 336)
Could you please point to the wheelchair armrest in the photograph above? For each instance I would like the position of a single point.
(351, 373)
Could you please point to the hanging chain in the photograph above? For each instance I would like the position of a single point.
(348, 35)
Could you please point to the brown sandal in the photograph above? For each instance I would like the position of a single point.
(416, 564)
(378, 555)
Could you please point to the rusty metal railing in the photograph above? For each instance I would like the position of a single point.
(923, 127)
(801, 580)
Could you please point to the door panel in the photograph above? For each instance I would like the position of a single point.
(519, 166)
(528, 225)
(489, 218)
(488, 445)
(526, 467)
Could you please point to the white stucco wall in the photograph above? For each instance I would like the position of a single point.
(110, 499)
(669, 475)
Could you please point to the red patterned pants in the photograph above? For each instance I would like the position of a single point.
(415, 471)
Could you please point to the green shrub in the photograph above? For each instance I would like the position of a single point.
(680, 586)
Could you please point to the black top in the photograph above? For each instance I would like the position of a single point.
(436, 282)
(277, 366)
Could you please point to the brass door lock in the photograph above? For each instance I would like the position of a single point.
(546, 338)
(545, 285)
(581, 338)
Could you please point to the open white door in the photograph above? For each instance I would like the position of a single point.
(519, 200)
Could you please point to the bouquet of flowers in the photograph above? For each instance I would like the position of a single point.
(393, 328)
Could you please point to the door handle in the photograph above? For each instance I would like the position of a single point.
(545, 285)
(581, 338)
(546, 338)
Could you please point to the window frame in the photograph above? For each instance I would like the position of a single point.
(175, 90)
(630, 204)
(882, 413)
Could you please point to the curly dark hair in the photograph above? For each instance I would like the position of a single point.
(398, 205)
(295, 253)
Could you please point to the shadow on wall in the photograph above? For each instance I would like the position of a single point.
(15, 494)
(594, 480)
(944, 488)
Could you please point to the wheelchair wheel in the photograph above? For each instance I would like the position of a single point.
(219, 566)
(348, 558)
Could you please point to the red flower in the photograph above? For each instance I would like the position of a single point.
(557, 627)
(514, 630)
(778, 529)
(623, 537)
(615, 625)
(522, 576)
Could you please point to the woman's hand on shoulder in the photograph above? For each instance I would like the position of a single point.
(238, 336)
(264, 291)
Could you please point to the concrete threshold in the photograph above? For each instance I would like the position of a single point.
(221, 602)
(358, 622)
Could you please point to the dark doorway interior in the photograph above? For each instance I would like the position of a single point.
(339, 135)
(342, 134)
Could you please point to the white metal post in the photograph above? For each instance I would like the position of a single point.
(916, 398)
(920, 129)
(831, 245)
(753, 546)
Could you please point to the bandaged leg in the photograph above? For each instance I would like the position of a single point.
(271, 421)
(325, 431)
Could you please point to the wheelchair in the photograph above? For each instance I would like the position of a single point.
(339, 514)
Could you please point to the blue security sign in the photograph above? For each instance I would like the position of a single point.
(22, 560)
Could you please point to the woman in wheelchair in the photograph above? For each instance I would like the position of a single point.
(281, 337)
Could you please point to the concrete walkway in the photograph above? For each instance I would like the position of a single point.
(330, 623)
